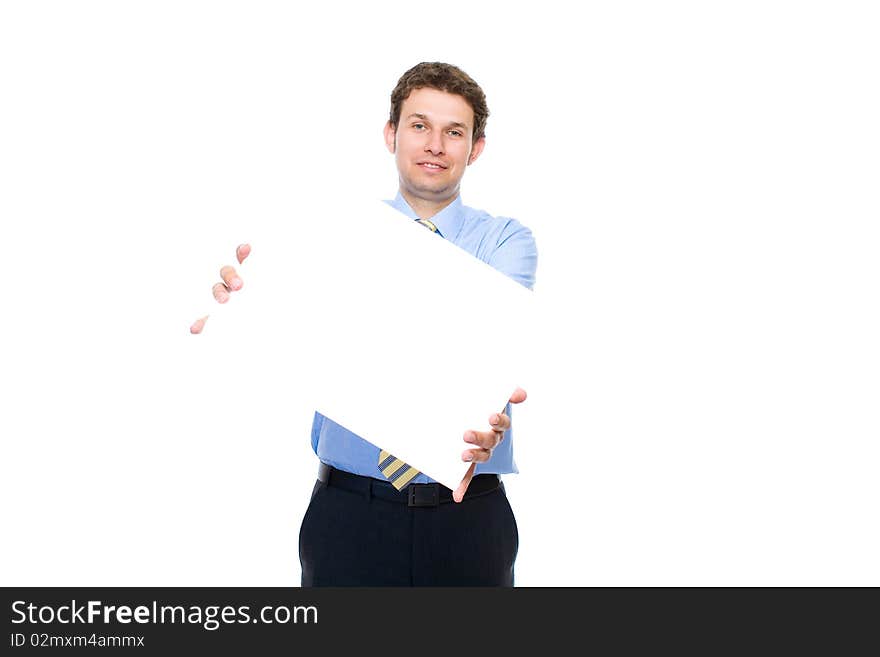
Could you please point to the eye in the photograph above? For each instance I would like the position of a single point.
(456, 133)
(419, 126)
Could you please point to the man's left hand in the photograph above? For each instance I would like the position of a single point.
(485, 442)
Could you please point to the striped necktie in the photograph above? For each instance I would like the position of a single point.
(395, 470)
(429, 225)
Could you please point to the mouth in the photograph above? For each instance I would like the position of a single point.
(431, 166)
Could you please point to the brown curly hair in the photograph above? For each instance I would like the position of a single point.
(443, 77)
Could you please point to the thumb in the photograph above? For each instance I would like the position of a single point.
(242, 252)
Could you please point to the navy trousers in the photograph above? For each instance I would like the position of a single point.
(352, 536)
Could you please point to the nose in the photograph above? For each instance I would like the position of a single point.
(434, 143)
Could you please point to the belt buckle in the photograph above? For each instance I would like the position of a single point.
(424, 494)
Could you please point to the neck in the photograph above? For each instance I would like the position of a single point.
(424, 208)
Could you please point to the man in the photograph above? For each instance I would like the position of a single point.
(359, 529)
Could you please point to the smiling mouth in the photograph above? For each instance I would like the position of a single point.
(432, 166)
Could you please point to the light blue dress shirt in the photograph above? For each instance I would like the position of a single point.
(501, 242)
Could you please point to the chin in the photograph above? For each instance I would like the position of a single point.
(435, 186)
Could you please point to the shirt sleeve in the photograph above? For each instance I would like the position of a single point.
(515, 253)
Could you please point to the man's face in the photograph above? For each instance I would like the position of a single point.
(433, 144)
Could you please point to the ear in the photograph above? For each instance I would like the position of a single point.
(390, 136)
(478, 147)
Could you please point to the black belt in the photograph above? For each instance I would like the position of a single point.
(411, 495)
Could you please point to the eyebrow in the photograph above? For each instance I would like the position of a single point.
(454, 124)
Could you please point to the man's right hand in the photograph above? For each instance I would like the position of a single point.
(231, 282)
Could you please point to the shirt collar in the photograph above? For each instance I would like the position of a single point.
(448, 221)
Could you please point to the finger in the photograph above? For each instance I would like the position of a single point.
(242, 252)
(220, 292)
(519, 395)
(500, 422)
(231, 278)
(476, 455)
(458, 493)
(484, 439)
(198, 325)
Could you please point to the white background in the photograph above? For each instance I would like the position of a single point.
(702, 185)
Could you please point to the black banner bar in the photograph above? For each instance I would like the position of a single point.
(376, 620)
